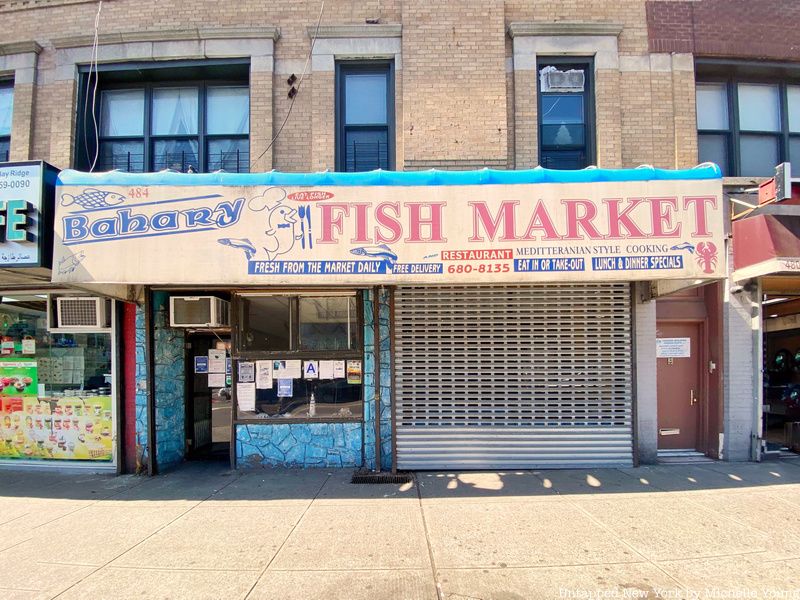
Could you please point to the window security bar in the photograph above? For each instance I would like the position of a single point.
(234, 161)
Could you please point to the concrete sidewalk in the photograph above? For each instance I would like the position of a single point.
(712, 531)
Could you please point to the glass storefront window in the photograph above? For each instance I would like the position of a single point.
(56, 399)
(266, 323)
(299, 357)
(310, 398)
(327, 323)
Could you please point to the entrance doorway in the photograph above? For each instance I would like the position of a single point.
(681, 398)
(781, 414)
(208, 407)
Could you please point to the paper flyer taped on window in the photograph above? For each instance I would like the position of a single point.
(29, 346)
(287, 369)
(246, 396)
(216, 361)
(326, 369)
(216, 380)
(285, 388)
(264, 374)
(354, 371)
(338, 369)
(247, 372)
(311, 369)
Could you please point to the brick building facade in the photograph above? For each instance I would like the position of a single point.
(465, 89)
(465, 85)
(726, 28)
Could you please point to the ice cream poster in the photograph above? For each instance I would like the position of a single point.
(64, 428)
(18, 377)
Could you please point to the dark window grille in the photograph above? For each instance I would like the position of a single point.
(564, 159)
(233, 161)
(177, 161)
(5, 148)
(367, 155)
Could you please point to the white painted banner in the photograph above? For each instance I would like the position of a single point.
(363, 235)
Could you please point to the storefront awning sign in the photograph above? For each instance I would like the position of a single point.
(26, 191)
(767, 244)
(389, 228)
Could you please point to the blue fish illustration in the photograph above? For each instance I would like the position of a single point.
(241, 244)
(684, 246)
(93, 198)
(382, 252)
(69, 263)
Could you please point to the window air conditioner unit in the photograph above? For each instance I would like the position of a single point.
(82, 312)
(554, 80)
(198, 311)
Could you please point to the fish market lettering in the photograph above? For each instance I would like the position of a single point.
(612, 218)
(421, 221)
(125, 223)
(518, 220)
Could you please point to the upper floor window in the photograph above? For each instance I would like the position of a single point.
(746, 127)
(565, 114)
(168, 122)
(6, 108)
(364, 116)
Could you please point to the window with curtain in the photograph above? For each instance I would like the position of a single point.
(6, 109)
(190, 128)
(565, 99)
(748, 127)
(365, 116)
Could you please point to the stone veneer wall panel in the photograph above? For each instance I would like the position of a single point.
(141, 394)
(169, 388)
(299, 445)
(385, 410)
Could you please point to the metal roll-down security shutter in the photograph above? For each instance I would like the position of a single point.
(513, 377)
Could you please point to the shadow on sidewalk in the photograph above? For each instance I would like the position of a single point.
(196, 481)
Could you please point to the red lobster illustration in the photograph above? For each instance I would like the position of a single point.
(707, 256)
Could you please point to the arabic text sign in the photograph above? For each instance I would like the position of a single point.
(603, 231)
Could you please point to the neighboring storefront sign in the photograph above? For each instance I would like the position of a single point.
(26, 231)
(605, 229)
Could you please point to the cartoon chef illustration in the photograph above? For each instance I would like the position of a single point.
(281, 226)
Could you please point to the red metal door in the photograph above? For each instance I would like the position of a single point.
(680, 389)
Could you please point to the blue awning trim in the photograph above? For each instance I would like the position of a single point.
(389, 178)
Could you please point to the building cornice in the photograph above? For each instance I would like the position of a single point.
(172, 35)
(20, 5)
(563, 28)
(19, 48)
(378, 30)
